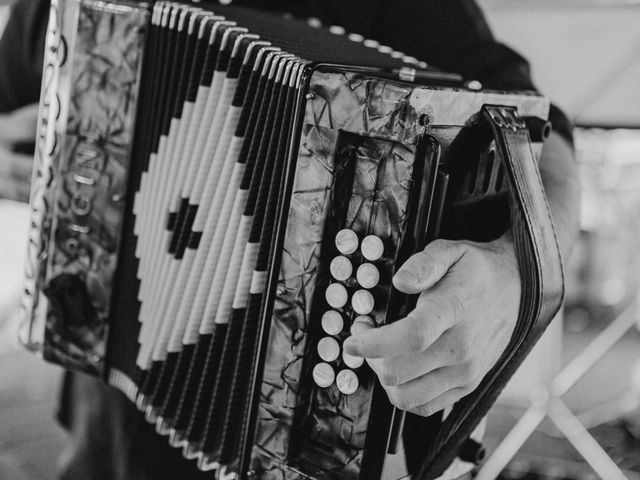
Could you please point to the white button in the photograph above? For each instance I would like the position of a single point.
(341, 268)
(352, 361)
(328, 349)
(368, 275)
(372, 248)
(347, 382)
(323, 375)
(362, 323)
(362, 302)
(314, 22)
(332, 322)
(371, 43)
(346, 241)
(336, 295)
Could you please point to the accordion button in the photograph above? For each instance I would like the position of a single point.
(372, 248)
(328, 349)
(314, 22)
(346, 241)
(323, 375)
(371, 43)
(332, 322)
(362, 323)
(336, 295)
(341, 268)
(347, 382)
(368, 275)
(362, 302)
(352, 361)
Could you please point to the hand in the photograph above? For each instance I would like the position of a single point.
(462, 323)
(15, 168)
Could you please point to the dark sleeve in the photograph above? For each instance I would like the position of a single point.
(451, 35)
(21, 52)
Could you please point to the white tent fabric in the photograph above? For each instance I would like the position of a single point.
(585, 54)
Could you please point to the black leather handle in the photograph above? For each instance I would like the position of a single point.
(541, 274)
(537, 248)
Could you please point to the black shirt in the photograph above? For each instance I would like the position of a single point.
(21, 52)
(452, 35)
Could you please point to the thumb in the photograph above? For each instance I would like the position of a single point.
(424, 269)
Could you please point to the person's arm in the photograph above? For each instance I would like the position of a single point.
(559, 172)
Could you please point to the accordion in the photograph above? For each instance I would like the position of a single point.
(221, 196)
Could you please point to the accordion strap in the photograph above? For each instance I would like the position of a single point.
(541, 274)
(537, 248)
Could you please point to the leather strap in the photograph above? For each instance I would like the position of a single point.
(540, 267)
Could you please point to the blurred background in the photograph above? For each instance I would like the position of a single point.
(585, 55)
(589, 361)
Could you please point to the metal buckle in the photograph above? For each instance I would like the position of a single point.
(407, 74)
(506, 117)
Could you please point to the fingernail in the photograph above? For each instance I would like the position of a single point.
(405, 278)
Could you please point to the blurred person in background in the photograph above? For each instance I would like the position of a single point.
(109, 438)
(21, 52)
(17, 133)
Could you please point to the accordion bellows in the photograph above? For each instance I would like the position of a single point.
(220, 196)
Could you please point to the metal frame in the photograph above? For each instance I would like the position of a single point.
(546, 401)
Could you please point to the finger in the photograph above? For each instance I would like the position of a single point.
(423, 270)
(446, 351)
(446, 400)
(416, 332)
(423, 390)
(19, 125)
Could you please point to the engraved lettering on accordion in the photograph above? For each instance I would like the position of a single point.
(90, 161)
